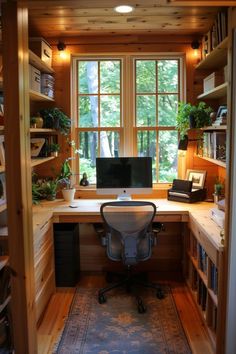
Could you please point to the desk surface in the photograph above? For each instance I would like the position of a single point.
(88, 209)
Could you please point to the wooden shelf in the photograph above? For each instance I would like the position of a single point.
(3, 261)
(37, 96)
(39, 64)
(216, 58)
(40, 160)
(217, 92)
(43, 130)
(216, 162)
(216, 127)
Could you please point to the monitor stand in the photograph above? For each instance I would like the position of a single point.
(124, 197)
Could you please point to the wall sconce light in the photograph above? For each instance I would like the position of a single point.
(61, 46)
(195, 45)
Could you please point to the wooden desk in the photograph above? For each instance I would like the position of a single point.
(167, 256)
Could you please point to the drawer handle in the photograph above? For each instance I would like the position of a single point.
(44, 225)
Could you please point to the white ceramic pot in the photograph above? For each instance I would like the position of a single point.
(68, 194)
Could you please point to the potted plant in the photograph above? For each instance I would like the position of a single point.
(54, 148)
(218, 191)
(49, 188)
(190, 116)
(68, 190)
(54, 118)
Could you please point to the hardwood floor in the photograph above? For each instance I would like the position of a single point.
(55, 315)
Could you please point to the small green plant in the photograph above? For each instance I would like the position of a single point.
(200, 113)
(49, 188)
(65, 175)
(54, 147)
(218, 188)
(54, 118)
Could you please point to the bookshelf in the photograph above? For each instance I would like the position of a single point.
(216, 58)
(202, 271)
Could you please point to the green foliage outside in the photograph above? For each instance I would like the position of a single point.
(156, 104)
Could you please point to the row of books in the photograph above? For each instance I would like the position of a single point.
(214, 278)
(202, 259)
(193, 247)
(201, 294)
(216, 34)
(214, 145)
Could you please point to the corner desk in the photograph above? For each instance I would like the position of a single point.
(190, 243)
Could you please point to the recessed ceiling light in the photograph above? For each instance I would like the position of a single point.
(124, 9)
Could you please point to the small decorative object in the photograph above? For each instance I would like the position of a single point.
(221, 116)
(36, 145)
(84, 181)
(190, 116)
(39, 121)
(33, 122)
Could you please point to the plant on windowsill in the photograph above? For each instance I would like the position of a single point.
(218, 190)
(65, 180)
(190, 116)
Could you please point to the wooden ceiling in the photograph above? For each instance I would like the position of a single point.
(59, 18)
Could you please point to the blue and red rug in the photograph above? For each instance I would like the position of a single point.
(117, 328)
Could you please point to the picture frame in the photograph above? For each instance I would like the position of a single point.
(197, 177)
(221, 109)
(36, 145)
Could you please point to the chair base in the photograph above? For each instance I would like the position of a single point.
(128, 282)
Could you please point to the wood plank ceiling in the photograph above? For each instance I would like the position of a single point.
(59, 18)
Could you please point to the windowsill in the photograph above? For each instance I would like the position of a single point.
(156, 187)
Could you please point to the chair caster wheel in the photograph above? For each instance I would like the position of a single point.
(141, 306)
(160, 294)
(101, 299)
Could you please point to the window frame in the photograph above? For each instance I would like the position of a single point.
(128, 129)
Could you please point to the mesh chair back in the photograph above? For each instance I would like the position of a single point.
(128, 226)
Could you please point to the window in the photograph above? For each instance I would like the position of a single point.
(127, 106)
(156, 97)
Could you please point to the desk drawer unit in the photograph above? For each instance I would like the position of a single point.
(44, 267)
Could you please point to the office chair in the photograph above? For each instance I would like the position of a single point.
(129, 237)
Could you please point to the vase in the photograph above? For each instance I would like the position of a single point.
(68, 194)
(39, 122)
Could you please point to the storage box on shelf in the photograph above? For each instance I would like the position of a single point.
(36, 93)
(41, 48)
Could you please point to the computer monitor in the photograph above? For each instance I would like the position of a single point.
(124, 176)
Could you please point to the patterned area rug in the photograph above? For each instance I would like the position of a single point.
(116, 327)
